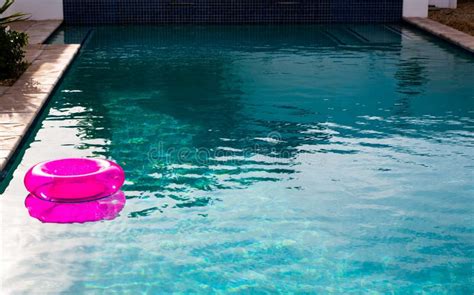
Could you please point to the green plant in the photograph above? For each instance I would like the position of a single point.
(4, 20)
(12, 53)
(12, 45)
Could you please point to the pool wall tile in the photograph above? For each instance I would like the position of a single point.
(231, 11)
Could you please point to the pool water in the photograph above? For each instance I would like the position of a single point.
(259, 159)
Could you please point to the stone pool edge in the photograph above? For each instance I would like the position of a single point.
(21, 103)
(453, 36)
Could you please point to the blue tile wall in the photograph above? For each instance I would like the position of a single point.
(230, 11)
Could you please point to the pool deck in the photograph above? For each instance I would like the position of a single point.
(38, 31)
(449, 34)
(22, 102)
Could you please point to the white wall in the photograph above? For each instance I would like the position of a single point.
(444, 3)
(415, 8)
(39, 9)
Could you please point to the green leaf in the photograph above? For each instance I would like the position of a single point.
(11, 18)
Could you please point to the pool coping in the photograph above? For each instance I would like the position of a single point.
(22, 102)
(451, 35)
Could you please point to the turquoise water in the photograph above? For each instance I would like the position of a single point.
(259, 159)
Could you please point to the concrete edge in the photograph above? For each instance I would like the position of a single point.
(21, 103)
(453, 36)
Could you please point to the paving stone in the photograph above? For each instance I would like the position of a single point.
(8, 145)
(39, 31)
(61, 47)
(37, 46)
(34, 39)
(3, 89)
(21, 26)
(43, 67)
(65, 56)
(3, 162)
(36, 79)
(32, 54)
(29, 88)
(14, 118)
(19, 108)
(4, 153)
(13, 129)
(20, 103)
(454, 36)
(8, 142)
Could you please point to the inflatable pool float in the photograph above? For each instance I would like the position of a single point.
(74, 179)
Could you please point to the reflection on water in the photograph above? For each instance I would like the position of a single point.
(259, 158)
(106, 208)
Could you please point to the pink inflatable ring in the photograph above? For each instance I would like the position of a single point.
(75, 179)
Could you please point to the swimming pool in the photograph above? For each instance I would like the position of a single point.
(259, 159)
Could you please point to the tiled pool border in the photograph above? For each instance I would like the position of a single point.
(94, 12)
(21, 103)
